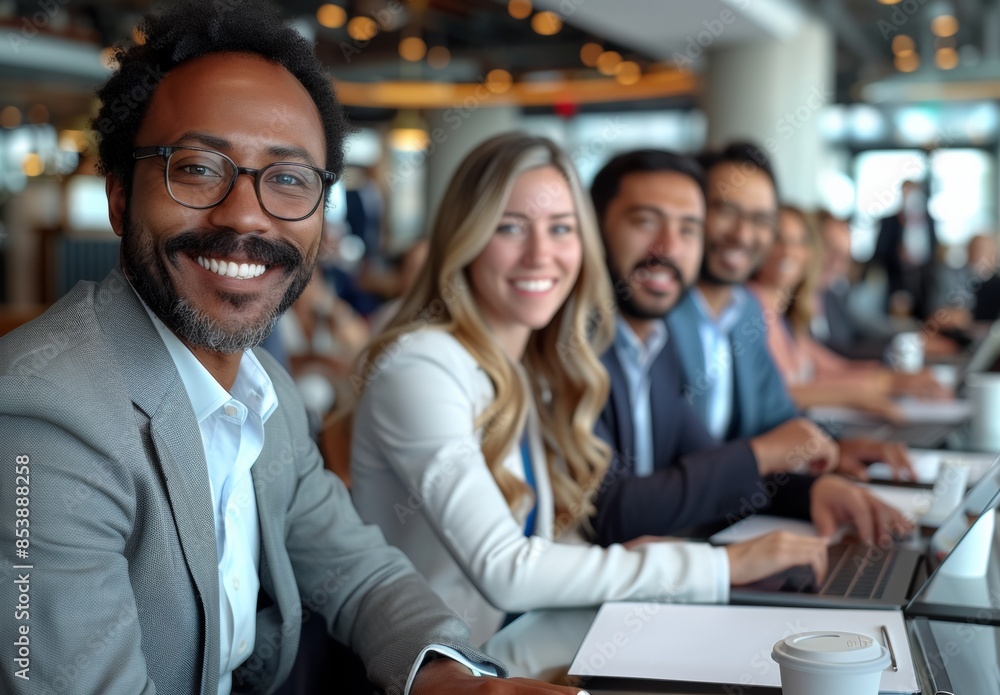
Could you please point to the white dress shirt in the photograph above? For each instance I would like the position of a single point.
(714, 331)
(636, 359)
(417, 470)
(232, 433)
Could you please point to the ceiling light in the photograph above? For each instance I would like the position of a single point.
(946, 58)
(331, 16)
(519, 9)
(608, 61)
(590, 52)
(908, 62)
(546, 23)
(362, 29)
(438, 57)
(628, 72)
(890, 2)
(412, 48)
(903, 44)
(944, 25)
(499, 81)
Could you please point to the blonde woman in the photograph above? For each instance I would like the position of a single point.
(786, 285)
(472, 441)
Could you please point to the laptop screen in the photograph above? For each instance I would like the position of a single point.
(964, 559)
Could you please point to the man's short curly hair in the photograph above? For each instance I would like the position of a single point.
(178, 32)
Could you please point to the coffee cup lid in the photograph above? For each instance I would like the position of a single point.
(831, 652)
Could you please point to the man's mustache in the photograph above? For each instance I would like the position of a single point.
(228, 243)
(652, 263)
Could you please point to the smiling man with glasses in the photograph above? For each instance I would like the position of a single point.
(180, 515)
(720, 330)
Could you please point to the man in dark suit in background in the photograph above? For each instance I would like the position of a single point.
(906, 248)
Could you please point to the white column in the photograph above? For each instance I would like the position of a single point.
(772, 93)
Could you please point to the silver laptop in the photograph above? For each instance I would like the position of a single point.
(863, 576)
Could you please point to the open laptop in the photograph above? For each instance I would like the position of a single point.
(863, 576)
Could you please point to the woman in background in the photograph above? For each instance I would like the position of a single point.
(815, 375)
(473, 444)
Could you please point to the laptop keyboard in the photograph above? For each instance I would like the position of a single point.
(856, 570)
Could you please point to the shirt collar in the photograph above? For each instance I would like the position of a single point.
(730, 314)
(627, 342)
(252, 387)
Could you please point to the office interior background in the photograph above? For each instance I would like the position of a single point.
(848, 97)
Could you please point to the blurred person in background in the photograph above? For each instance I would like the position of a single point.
(785, 286)
(906, 249)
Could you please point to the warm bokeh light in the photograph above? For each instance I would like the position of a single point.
(138, 38)
(628, 72)
(944, 25)
(546, 23)
(590, 52)
(331, 16)
(519, 9)
(499, 81)
(362, 28)
(890, 2)
(10, 117)
(946, 58)
(38, 113)
(908, 62)
(408, 139)
(33, 164)
(903, 44)
(107, 58)
(438, 57)
(73, 140)
(412, 48)
(608, 61)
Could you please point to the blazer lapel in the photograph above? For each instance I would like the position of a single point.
(156, 389)
(624, 433)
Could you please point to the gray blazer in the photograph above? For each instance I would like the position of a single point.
(123, 583)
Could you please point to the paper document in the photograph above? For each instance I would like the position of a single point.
(758, 525)
(927, 463)
(912, 501)
(722, 644)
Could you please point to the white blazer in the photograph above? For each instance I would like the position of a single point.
(417, 470)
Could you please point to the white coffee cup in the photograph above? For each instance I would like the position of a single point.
(971, 558)
(906, 352)
(830, 663)
(983, 392)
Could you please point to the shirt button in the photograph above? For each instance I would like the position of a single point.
(242, 646)
(231, 410)
(236, 583)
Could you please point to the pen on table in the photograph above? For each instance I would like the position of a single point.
(888, 645)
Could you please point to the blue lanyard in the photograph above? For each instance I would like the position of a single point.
(529, 477)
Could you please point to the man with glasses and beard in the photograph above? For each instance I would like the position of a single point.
(669, 472)
(173, 515)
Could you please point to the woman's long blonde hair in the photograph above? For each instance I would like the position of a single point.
(561, 369)
(800, 301)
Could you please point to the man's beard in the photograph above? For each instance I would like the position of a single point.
(146, 270)
(625, 295)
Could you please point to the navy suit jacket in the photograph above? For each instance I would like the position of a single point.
(761, 401)
(695, 480)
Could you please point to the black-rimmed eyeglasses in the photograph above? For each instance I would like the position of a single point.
(199, 178)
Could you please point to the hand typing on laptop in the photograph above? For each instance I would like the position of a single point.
(837, 502)
(856, 455)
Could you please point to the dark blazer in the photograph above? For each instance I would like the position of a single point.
(918, 281)
(696, 480)
(761, 400)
